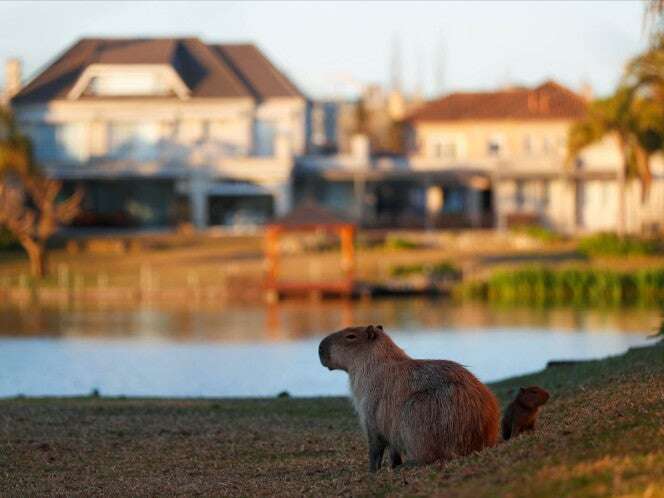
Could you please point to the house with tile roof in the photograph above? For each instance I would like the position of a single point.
(485, 159)
(515, 143)
(164, 130)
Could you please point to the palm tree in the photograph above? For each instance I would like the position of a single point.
(646, 71)
(635, 122)
(29, 206)
(654, 11)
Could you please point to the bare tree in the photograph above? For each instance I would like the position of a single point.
(29, 205)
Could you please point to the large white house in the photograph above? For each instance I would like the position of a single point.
(164, 130)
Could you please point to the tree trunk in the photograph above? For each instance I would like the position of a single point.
(621, 175)
(37, 255)
(621, 222)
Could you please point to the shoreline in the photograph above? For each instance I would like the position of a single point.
(598, 436)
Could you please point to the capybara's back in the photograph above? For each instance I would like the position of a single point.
(449, 412)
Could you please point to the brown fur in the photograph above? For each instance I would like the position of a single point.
(423, 410)
(521, 414)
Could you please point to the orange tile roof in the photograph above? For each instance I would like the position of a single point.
(549, 100)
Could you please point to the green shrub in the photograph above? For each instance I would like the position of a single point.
(537, 232)
(443, 269)
(400, 243)
(610, 244)
(541, 285)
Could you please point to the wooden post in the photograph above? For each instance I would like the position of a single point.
(271, 262)
(347, 235)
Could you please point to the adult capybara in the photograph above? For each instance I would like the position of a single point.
(423, 410)
(521, 414)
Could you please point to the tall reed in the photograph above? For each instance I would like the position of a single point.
(587, 286)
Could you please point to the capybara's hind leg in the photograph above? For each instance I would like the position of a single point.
(395, 458)
(376, 450)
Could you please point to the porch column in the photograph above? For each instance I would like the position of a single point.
(434, 203)
(282, 194)
(359, 188)
(499, 203)
(474, 207)
(198, 199)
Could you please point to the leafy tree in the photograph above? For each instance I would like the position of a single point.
(29, 205)
(636, 121)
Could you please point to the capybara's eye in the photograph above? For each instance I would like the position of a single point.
(351, 336)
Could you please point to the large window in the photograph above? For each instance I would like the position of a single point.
(528, 145)
(59, 142)
(128, 83)
(519, 194)
(495, 146)
(446, 147)
(133, 140)
(445, 150)
(264, 134)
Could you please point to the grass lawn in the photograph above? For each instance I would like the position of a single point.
(602, 434)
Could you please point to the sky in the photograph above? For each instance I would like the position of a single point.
(334, 48)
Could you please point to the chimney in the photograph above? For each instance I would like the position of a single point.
(586, 91)
(12, 78)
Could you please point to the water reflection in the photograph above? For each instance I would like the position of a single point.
(204, 351)
(75, 366)
(300, 319)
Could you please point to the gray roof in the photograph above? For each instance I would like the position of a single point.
(209, 71)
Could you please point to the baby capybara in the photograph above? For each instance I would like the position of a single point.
(521, 414)
(422, 410)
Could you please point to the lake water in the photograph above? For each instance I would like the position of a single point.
(261, 351)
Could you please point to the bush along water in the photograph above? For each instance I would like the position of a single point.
(597, 287)
(444, 270)
(610, 244)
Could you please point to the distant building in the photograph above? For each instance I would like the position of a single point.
(484, 159)
(164, 130)
(517, 139)
(377, 114)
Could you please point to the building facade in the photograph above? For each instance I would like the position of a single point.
(161, 131)
(486, 159)
(517, 138)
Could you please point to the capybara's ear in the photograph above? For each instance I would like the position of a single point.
(379, 327)
(371, 332)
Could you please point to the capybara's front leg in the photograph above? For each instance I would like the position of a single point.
(395, 458)
(376, 449)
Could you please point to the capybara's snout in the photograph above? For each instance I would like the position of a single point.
(324, 352)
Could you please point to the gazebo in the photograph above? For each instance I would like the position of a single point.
(310, 217)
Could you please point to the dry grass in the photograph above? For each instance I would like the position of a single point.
(600, 435)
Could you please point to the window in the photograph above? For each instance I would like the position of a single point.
(128, 83)
(133, 140)
(59, 142)
(445, 150)
(546, 193)
(454, 200)
(528, 145)
(494, 146)
(547, 145)
(264, 134)
(446, 147)
(519, 197)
